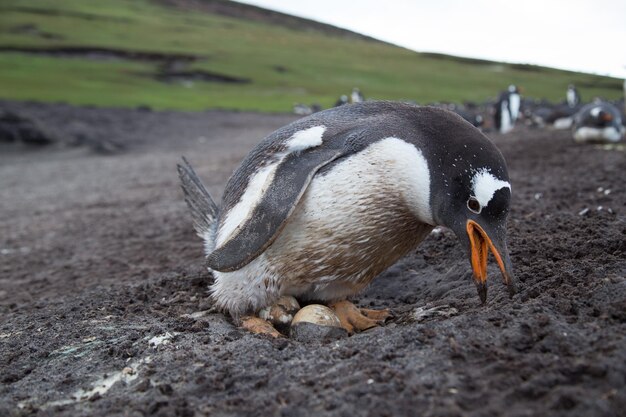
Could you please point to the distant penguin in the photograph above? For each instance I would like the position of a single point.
(302, 109)
(343, 99)
(507, 109)
(514, 102)
(573, 98)
(502, 114)
(598, 122)
(543, 113)
(356, 96)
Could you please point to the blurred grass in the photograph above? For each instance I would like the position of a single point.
(318, 67)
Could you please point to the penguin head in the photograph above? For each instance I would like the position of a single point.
(601, 115)
(471, 195)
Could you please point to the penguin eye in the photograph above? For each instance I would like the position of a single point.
(474, 205)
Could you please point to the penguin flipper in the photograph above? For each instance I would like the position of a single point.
(268, 218)
(203, 210)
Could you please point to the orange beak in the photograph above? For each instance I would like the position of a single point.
(480, 245)
(607, 117)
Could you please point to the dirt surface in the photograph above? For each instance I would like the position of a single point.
(103, 292)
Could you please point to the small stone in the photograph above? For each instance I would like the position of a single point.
(166, 389)
(196, 315)
(95, 397)
(128, 371)
(143, 385)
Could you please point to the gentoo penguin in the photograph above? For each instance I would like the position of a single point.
(598, 122)
(356, 96)
(572, 96)
(507, 109)
(515, 102)
(542, 113)
(343, 99)
(323, 205)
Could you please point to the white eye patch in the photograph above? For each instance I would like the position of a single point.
(485, 185)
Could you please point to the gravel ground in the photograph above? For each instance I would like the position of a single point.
(104, 307)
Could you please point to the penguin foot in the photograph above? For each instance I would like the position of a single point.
(354, 319)
(378, 315)
(257, 325)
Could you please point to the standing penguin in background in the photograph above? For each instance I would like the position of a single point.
(572, 96)
(343, 99)
(356, 96)
(515, 102)
(507, 109)
(323, 205)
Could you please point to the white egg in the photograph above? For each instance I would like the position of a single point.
(317, 314)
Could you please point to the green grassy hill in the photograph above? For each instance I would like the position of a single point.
(153, 52)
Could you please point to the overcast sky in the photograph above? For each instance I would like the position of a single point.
(588, 36)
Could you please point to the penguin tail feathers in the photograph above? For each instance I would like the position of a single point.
(203, 210)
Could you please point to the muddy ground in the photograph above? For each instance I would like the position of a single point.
(103, 292)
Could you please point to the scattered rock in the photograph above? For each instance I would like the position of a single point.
(128, 371)
(163, 339)
(166, 389)
(16, 128)
(143, 385)
(421, 314)
(95, 397)
(196, 315)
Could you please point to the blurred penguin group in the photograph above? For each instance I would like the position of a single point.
(598, 121)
